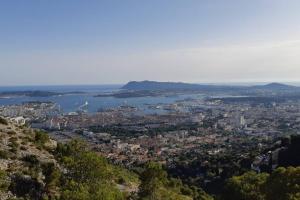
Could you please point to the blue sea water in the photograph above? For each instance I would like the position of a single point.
(71, 102)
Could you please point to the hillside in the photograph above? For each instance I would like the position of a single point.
(32, 166)
(23, 155)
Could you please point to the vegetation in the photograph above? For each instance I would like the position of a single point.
(31, 159)
(14, 144)
(3, 121)
(282, 184)
(156, 185)
(4, 181)
(41, 138)
(11, 133)
(4, 154)
(88, 175)
(249, 186)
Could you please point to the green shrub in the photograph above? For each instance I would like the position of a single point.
(11, 133)
(281, 184)
(32, 159)
(41, 138)
(3, 121)
(155, 184)
(26, 187)
(14, 144)
(23, 148)
(4, 181)
(52, 175)
(88, 176)
(13, 139)
(4, 154)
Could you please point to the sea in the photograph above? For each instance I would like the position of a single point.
(72, 102)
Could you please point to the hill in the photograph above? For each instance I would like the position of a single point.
(153, 85)
(276, 86)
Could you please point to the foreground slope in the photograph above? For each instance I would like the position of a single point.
(32, 166)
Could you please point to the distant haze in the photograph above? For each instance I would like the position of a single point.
(113, 42)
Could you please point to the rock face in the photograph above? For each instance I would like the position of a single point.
(20, 152)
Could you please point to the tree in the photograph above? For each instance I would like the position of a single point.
(153, 178)
(246, 187)
(283, 184)
(4, 181)
(157, 186)
(88, 176)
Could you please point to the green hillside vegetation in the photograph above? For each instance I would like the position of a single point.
(88, 175)
(156, 185)
(281, 184)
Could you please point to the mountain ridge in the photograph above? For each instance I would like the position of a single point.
(156, 85)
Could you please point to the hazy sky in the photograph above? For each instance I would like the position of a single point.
(115, 41)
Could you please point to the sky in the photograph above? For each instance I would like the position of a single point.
(58, 42)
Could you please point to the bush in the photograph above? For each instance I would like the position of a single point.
(52, 175)
(281, 184)
(41, 138)
(4, 181)
(23, 148)
(3, 121)
(156, 185)
(4, 154)
(23, 186)
(11, 133)
(88, 176)
(32, 159)
(14, 144)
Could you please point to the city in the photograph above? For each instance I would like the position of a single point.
(149, 100)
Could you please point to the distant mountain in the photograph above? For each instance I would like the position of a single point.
(276, 86)
(153, 85)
